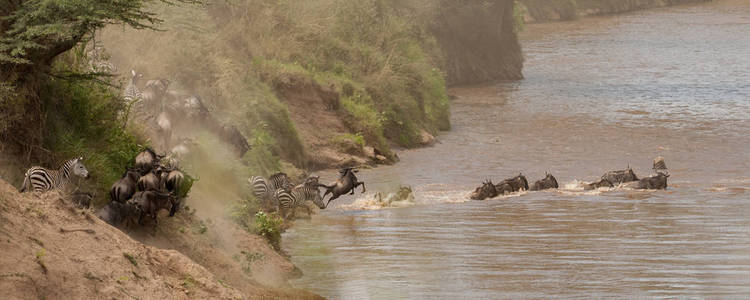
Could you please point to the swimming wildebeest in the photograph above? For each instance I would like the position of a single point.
(654, 182)
(150, 203)
(621, 176)
(146, 160)
(124, 188)
(345, 184)
(516, 183)
(487, 190)
(598, 184)
(549, 182)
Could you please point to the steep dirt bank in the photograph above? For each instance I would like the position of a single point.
(561, 10)
(40, 261)
(478, 41)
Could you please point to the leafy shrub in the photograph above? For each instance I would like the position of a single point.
(269, 226)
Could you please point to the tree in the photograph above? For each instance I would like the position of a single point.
(32, 34)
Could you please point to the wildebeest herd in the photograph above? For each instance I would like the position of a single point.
(144, 190)
(278, 193)
(625, 178)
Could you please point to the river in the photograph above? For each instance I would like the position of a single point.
(599, 94)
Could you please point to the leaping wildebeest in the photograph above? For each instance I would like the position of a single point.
(345, 184)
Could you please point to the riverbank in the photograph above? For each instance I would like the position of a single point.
(51, 249)
(538, 11)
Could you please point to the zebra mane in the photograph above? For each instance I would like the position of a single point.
(65, 168)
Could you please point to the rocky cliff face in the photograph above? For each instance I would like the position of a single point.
(478, 41)
(561, 10)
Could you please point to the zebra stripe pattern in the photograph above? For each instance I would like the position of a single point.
(40, 179)
(263, 188)
(132, 93)
(298, 196)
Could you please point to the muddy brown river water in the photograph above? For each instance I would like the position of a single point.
(600, 94)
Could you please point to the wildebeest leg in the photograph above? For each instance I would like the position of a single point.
(362, 183)
(140, 218)
(333, 197)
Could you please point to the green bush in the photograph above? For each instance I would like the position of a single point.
(269, 226)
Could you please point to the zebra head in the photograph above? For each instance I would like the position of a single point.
(79, 169)
(135, 76)
(318, 200)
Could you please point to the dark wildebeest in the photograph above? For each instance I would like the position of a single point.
(173, 183)
(123, 189)
(150, 181)
(516, 183)
(487, 190)
(345, 184)
(232, 136)
(150, 203)
(653, 182)
(114, 213)
(503, 188)
(82, 199)
(549, 182)
(146, 160)
(598, 184)
(621, 176)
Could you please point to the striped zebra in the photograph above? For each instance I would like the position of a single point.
(265, 190)
(308, 191)
(40, 179)
(132, 93)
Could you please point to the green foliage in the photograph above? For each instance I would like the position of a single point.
(349, 143)
(83, 121)
(269, 227)
(31, 27)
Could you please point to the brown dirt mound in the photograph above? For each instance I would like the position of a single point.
(313, 109)
(95, 260)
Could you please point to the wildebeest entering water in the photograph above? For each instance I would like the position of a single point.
(345, 184)
(620, 176)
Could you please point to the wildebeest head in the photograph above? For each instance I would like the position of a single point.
(487, 190)
(318, 200)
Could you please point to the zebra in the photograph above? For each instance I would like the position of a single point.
(308, 191)
(132, 93)
(40, 179)
(265, 190)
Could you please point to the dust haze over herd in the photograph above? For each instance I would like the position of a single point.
(280, 149)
